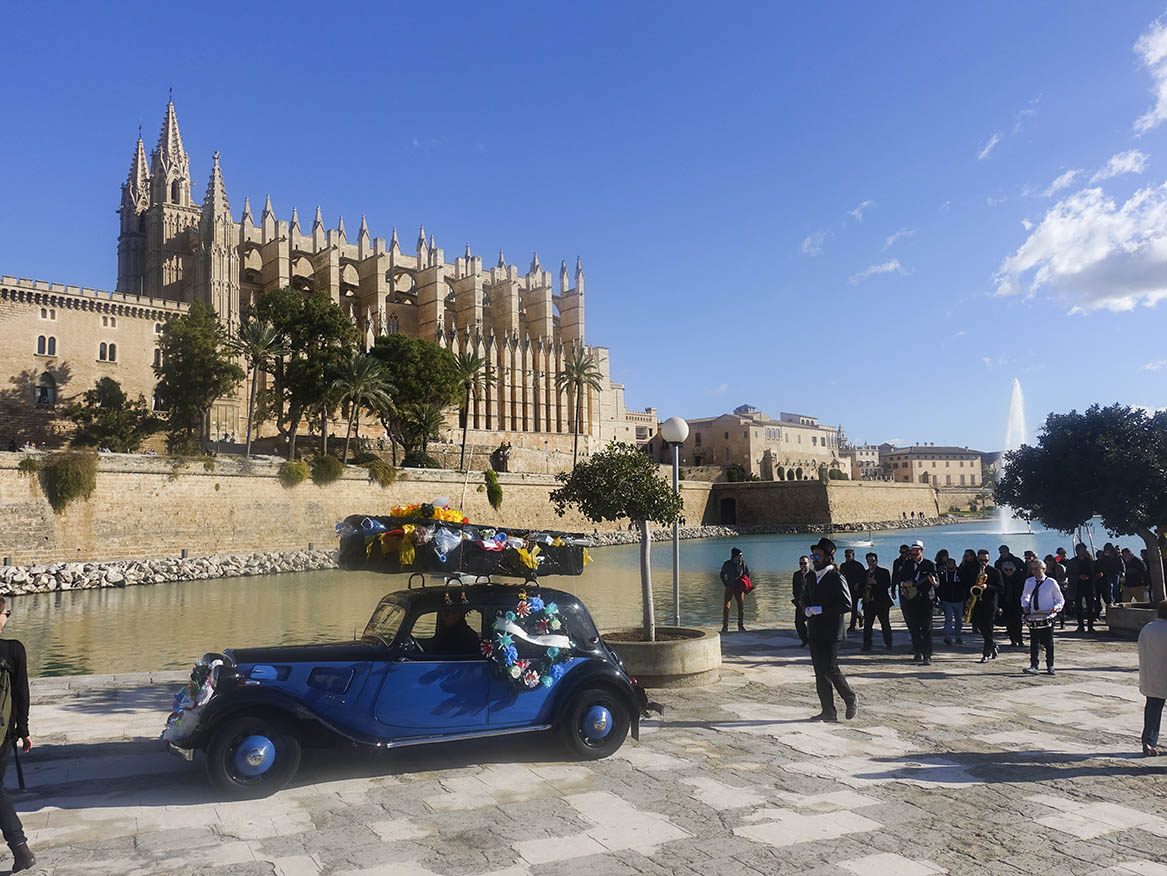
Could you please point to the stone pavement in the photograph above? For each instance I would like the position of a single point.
(961, 768)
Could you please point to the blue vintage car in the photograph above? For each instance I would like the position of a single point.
(435, 664)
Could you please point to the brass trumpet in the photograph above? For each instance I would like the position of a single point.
(976, 590)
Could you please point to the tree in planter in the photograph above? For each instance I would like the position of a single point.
(620, 482)
(1108, 461)
(579, 374)
(197, 368)
(108, 418)
(474, 373)
(359, 383)
(260, 344)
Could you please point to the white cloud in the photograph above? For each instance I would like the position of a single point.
(989, 147)
(959, 334)
(719, 389)
(812, 244)
(1131, 161)
(899, 235)
(888, 267)
(858, 211)
(943, 207)
(1151, 48)
(1094, 253)
(896, 441)
(1026, 224)
(1062, 182)
(1022, 114)
(1157, 365)
(996, 202)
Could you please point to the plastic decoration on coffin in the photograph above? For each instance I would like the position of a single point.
(188, 702)
(537, 628)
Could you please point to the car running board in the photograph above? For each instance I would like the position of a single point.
(458, 737)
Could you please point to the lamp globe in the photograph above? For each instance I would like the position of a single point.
(674, 430)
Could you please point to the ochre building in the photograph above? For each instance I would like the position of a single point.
(172, 251)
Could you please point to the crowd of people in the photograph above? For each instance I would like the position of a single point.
(1021, 594)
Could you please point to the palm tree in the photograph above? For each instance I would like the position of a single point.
(423, 422)
(360, 382)
(579, 373)
(474, 373)
(259, 343)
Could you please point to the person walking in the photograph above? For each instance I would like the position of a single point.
(952, 590)
(828, 601)
(855, 575)
(1081, 572)
(798, 588)
(1057, 571)
(1153, 678)
(917, 585)
(1013, 583)
(734, 575)
(984, 613)
(1006, 556)
(876, 601)
(1136, 581)
(1113, 570)
(14, 715)
(1041, 600)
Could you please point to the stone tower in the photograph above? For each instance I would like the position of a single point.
(217, 253)
(132, 239)
(169, 217)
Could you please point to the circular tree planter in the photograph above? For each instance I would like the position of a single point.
(680, 656)
(1127, 619)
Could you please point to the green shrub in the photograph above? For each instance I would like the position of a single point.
(208, 463)
(326, 469)
(381, 471)
(493, 489)
(363, 457)
(29, 465)
(835, 475)
(417, 459)
(67, 476)
(293, 472)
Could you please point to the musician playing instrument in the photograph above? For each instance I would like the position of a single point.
(827, 601)
(1041, 600)
(854, 573)
(877, 601)
(917, 581)
(984, 612)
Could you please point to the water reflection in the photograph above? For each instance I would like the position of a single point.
(167, 626)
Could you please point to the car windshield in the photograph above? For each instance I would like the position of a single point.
(385, 621)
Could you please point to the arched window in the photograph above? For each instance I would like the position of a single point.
(45, 391)
(101, 354)
(175, 190)
(157, 358)
(113, 352)
(52, 313)
(52, 346)
(157, 328)
(105, 322)
(44, 313)
(40, 345)
(113, 322)
(394, 324)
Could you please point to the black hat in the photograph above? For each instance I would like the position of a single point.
(736, 552)
(825, 545)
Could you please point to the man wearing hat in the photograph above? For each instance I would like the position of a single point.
(917, 584)
(828, 601)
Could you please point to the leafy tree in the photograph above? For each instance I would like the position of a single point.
(108, 418)
(620, 482)
(423, 423)
(579, 373)
(359, 383)
(260, 344)
(474, 374)
(197, 368)
(319, 337)
(420, 373)
(1108, 461)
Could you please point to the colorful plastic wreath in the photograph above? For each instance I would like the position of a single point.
(426, 511)
(535, 624)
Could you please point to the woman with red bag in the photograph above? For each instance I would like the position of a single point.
(735, 575)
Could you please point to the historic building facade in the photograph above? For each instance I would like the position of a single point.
(172, 251)
(938, 466)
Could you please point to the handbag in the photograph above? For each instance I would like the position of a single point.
(747, 584)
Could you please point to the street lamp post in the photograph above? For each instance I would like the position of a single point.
(674, 431)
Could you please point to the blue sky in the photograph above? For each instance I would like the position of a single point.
(879, 214)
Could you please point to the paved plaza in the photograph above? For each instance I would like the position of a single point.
(960, 768)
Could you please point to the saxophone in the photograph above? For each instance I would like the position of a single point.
(976, 590)
(867, 588)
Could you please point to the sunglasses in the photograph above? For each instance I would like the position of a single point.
(816, 556)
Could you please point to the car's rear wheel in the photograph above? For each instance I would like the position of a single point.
(252, 756)
(595, 724)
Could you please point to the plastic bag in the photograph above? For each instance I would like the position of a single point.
(445, 541)
(371, 527)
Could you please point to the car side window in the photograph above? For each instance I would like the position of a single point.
(451, 631)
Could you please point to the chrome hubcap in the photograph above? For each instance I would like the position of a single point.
(597, 723)
(254, 755)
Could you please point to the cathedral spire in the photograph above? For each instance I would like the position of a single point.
(246, 218)
(319, 220)
(169, 146)
(393, 244)
(340, 229)
(136, 191)
(216, 198)
(502, 260)
(267, 210)
(535, 266)
(294, 228)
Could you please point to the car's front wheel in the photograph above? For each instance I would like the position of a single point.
(252, 756)
(595, 724)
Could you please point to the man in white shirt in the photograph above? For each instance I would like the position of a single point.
(1041, 600)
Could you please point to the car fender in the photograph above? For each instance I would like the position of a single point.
(599, 673)
(260, 698)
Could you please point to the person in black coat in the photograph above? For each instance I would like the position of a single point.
(917, 585)
(828, 601)
(734, 572)
(984, 613)
(798, 586)
(1013, 583)
(855, 574)
(876, 601)
(1082, 574)
(14, 663)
